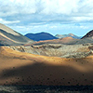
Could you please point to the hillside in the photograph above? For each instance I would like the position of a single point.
(40, 36)
(21, 68)
(11, 37)
(66, 40)
(57, 50)
(89, 34)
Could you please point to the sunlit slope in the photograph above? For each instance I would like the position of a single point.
(24, 68)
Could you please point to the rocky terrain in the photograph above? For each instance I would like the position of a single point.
(66, 61)
(57, 50)
(67, 47)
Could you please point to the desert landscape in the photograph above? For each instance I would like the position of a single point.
(46, 46)
(65, 62)
(29, 69)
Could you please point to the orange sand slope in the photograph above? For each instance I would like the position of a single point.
(23, 69)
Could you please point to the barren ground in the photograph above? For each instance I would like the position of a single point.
(29, 69)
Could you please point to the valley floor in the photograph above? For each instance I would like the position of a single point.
(20, 68)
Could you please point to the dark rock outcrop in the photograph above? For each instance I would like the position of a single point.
(89, 34)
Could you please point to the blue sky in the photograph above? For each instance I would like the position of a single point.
(53, 16)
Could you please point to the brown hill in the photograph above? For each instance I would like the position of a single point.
(66, 40)
(24, 69)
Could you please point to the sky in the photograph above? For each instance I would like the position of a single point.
(52, 16)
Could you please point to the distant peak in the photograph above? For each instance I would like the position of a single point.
(68, 38)
(41, 36)
(71, 34)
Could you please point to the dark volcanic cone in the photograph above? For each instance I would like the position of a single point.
(89, 34)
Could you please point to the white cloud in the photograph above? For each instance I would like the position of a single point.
(40, 14)
(80, 19)
(17, 7)
(8, 22)
(60, 6)
(46, 6)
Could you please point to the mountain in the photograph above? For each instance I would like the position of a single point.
(66, 41)
(40, 36)
(11, 37)
(67, 35)
(89, 34)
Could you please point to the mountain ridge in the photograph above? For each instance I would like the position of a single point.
(11, 37)
(67, 35)
(40, 36)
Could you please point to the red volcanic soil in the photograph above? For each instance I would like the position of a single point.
(56, 41)
(20, 68)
